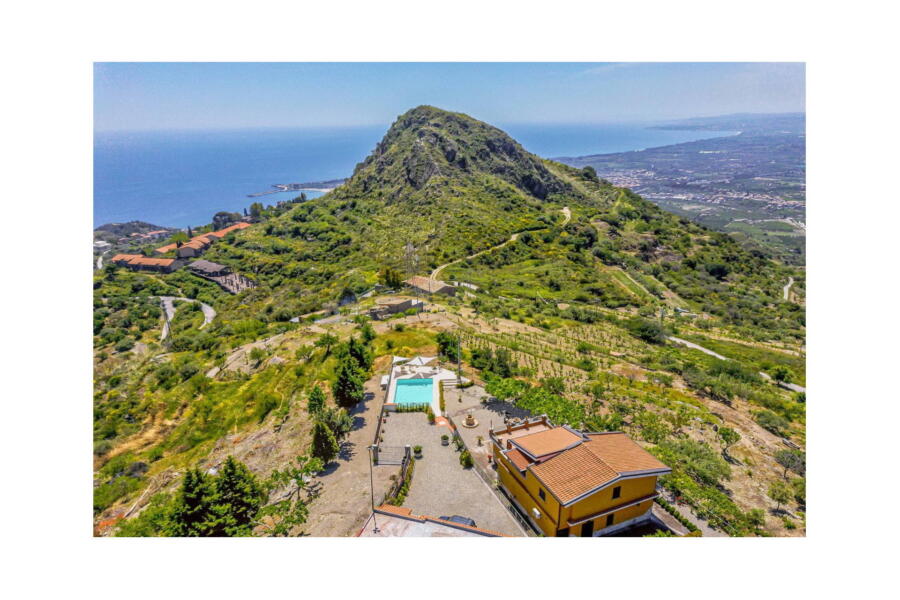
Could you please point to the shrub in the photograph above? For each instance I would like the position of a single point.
(324, 444)
(645, 330)
(465, 459)
(669, 508)
(774, 423)
(697, 459)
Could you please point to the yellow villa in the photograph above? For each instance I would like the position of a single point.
(570, 483)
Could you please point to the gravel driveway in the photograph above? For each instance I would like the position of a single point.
(440, 486)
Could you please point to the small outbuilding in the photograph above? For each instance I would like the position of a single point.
(208, 268)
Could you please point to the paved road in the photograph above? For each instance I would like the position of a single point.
(434, 274)
(787, 288)
(168, 306)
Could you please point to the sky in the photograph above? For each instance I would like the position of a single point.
(159, 96)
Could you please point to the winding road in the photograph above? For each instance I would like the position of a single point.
(168, 306)
(434, 274)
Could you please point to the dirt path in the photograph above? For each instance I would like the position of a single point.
(696, 347)
(345, 500)
(168, 305)
(434, 274)
(787, 288)
(790, 386)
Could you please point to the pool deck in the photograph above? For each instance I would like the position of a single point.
(433, 372)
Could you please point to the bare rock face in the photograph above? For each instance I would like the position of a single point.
(419, 165)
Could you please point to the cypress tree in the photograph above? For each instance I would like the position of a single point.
(316, 402)
(324, 444)
(348, 387)
(360, 354)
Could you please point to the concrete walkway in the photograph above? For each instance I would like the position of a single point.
(440, 485)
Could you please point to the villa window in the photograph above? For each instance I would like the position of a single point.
(617, 491)
(542, 494)
(610, 519)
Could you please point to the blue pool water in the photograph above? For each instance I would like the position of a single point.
(413, 391)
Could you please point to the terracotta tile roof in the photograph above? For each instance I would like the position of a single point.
(591, 464)
(166, 248)
(574, 472)
(236, 227)
(397, 510)
(151, 262)
(124, 257)
(622, 453)
(546, 442)
(517, 458)
(197, 244)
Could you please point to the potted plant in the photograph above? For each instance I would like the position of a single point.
(445, 440)
(418, 451)
(480, 440)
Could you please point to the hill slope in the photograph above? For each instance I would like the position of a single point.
(561, 300)
(453, 186)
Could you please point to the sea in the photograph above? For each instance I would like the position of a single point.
(182, 178)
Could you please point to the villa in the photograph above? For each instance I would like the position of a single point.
(572, 483)
(199, 243)
(139, 262)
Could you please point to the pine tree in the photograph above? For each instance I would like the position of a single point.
(192, 512)
(316, 402)
(324, 444)
(348, 387)
(238, 497)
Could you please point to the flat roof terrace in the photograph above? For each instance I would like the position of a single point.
(512, 431)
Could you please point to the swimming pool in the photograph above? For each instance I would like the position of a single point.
(413, 391)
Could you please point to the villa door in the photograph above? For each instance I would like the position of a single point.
(587, 529)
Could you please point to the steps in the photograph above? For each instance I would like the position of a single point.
(391, 455)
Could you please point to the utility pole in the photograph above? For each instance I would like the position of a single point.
(412, 265)
(458, 366)
(372, 488)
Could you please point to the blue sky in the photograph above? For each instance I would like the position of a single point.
(132, 96)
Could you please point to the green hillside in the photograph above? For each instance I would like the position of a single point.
(579, 305)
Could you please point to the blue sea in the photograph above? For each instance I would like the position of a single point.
(181, 178)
